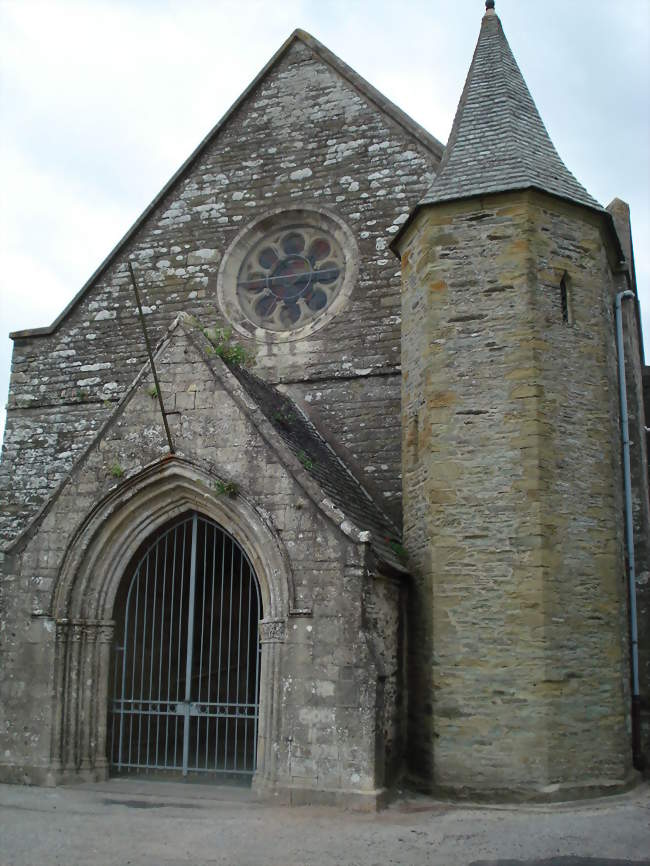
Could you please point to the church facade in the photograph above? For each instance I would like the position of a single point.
(364, 509)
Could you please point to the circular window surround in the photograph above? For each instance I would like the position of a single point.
(249, 236)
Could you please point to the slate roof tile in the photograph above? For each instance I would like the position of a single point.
(498, 141)
(334, 478)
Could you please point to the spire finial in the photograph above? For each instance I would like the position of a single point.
(489, 5)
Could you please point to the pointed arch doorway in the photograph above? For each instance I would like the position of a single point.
(186, 661)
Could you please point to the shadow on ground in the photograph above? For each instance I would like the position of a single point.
(562, 861)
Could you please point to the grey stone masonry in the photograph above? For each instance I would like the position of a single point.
(330, 712)
(512, 500)
(325, 403)
(308, 133)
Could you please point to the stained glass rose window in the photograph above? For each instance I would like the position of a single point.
(287, 273)
(290, 276)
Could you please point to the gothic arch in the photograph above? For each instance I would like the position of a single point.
(94, 564)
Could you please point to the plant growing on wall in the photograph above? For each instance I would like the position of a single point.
(224, 346)
(284, 417)
(398, 549)
(227, 488)
(307, 461)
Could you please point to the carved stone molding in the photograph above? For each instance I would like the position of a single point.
(77, 631)
(81, 670)
(273, 630)
(85, 629)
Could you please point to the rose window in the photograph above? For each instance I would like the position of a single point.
(290, 276)
(287, 274)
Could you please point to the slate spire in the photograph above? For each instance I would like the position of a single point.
(498, 141)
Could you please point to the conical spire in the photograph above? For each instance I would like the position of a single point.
(498, 141)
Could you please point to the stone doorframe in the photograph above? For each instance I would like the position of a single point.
(82, 606)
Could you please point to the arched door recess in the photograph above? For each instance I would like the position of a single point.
(186, 661)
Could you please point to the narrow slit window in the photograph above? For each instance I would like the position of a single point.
(565, 301)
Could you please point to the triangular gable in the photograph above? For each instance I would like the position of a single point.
(295, 443)
(301, 449)
(373, 96)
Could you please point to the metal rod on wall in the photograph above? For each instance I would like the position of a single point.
(151, 361)
(637, 755)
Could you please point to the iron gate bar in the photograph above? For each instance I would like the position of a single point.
(241, 578)
(163, 622)
(223, 564)
(180, 632)
(144, 632)
(237, 713)
(214, 554)
(257, 663)
(232, 570)
(118, 649)
(248, 654)
(126, 631)
(190, 650)
(205, 553)
(171, 637)
(162, 629)
(153, 633)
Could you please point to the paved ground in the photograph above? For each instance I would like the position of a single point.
(134, 823)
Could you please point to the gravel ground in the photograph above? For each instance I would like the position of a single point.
(119, 823)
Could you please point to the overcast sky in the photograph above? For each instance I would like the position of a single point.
(101, 100)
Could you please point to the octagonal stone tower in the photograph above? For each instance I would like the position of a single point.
(511, 477)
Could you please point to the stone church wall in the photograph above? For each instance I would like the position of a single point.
(304, 136)
(334, 647)
(513, 502)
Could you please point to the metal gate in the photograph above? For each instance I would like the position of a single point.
(187, 656)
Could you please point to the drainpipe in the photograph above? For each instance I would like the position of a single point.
(637, 758)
